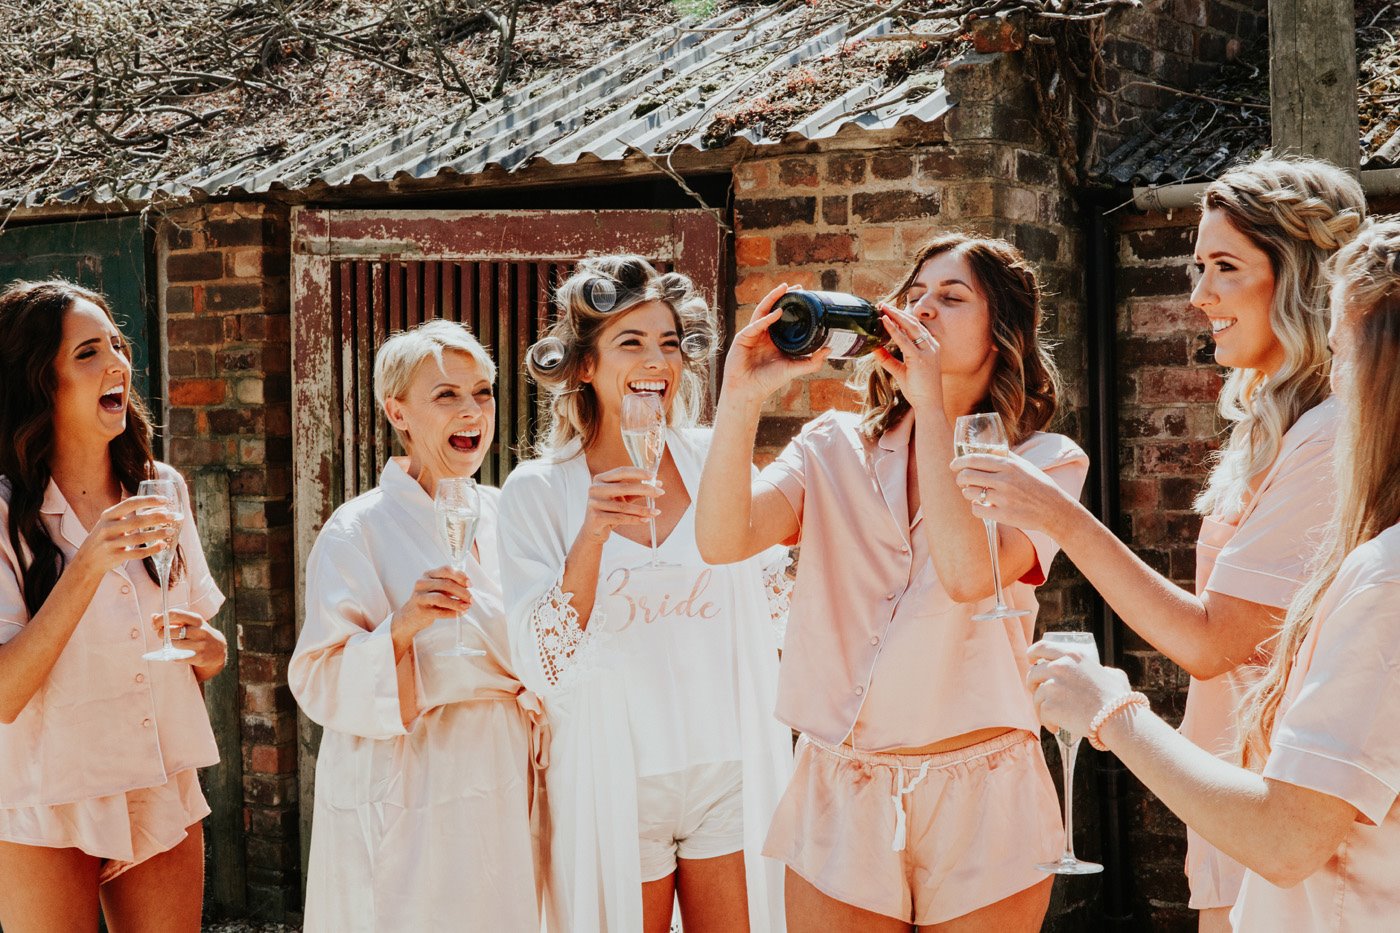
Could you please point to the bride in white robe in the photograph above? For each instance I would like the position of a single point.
(648, 678)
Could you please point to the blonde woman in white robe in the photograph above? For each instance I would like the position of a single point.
(426, 778)
(666, 763)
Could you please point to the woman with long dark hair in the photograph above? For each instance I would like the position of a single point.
(921, 796)
(99, 799)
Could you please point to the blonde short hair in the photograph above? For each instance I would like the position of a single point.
(399, 357)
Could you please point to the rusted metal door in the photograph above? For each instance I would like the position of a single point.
(359, 276)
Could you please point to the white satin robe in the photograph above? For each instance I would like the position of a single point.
(595, 872)
(427, 772)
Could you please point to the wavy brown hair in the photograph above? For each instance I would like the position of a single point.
(558, 360)
(1025, 383)
(31, 334)
(1366, 306)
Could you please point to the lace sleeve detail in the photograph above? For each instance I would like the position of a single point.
(565, 648)
(777, 586)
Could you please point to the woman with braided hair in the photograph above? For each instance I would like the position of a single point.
(1266, 233)
(1315, 814)
(658, 672)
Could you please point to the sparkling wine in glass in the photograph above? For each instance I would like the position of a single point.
(164, 559)
(985, 434)
(1067, 864)
(644, 436)
(458, 509)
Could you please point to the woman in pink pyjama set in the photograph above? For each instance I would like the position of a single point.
(1266, 233)
(1315, 815)
(921, 795)
(100, 805)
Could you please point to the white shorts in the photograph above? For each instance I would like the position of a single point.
(692, 814)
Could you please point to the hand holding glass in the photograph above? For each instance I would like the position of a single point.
(164, 559)
(458, 508)
(985, 434)
(644, 436)
(1067, 864)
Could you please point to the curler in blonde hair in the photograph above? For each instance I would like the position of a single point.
(558, 360)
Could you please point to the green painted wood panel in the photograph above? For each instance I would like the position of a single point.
(108, 256)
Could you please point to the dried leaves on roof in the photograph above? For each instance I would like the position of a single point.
(1227, 119)
(131, 91)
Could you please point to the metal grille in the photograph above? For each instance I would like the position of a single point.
(506, 305)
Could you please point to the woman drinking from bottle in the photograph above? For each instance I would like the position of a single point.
(658, 671)
(427, 775)
(1267, 230)
(100, 805)
(1316, 818)
(921, 795)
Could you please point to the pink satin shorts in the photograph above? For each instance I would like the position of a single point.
(922, 838)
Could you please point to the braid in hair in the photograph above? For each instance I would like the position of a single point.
(1298, 211)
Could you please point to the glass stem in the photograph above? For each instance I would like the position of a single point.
(996, 560)
(651, 521)
(461, 641)
(165, 609)
(1068, 752)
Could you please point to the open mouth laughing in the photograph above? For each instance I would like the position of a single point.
(466, 440)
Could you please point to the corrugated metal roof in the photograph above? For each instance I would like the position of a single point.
(657, 95)
(1196, 139)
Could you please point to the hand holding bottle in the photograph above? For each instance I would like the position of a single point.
(918, 371)
(755, 368)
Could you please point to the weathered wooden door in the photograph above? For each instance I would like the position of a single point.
(359, 276)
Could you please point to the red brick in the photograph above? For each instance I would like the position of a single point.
(798, 173)
(1165, 317)
(181, 363)
(1156, 386)
(886, 206)
(845, 169)
(826, 394)
(273, 759)
(234, 297)
(179, 299)
(261, 668)
(767, 213)
(753, 250)
(197, 391)
(754, 285)
(196, 331)
(836, 210)
(240, 231)
(891, 166)
(800, 249)
(194, 267)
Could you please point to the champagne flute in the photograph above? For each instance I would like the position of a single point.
(644, 436)
(1067, 864)
(985, 434)
(164, 559)
(458, 508)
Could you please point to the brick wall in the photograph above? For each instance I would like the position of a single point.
(1166, 45)
(1168, 384)
(224, 298)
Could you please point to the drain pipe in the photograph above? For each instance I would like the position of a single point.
(1166, 198)
(1100, 249)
